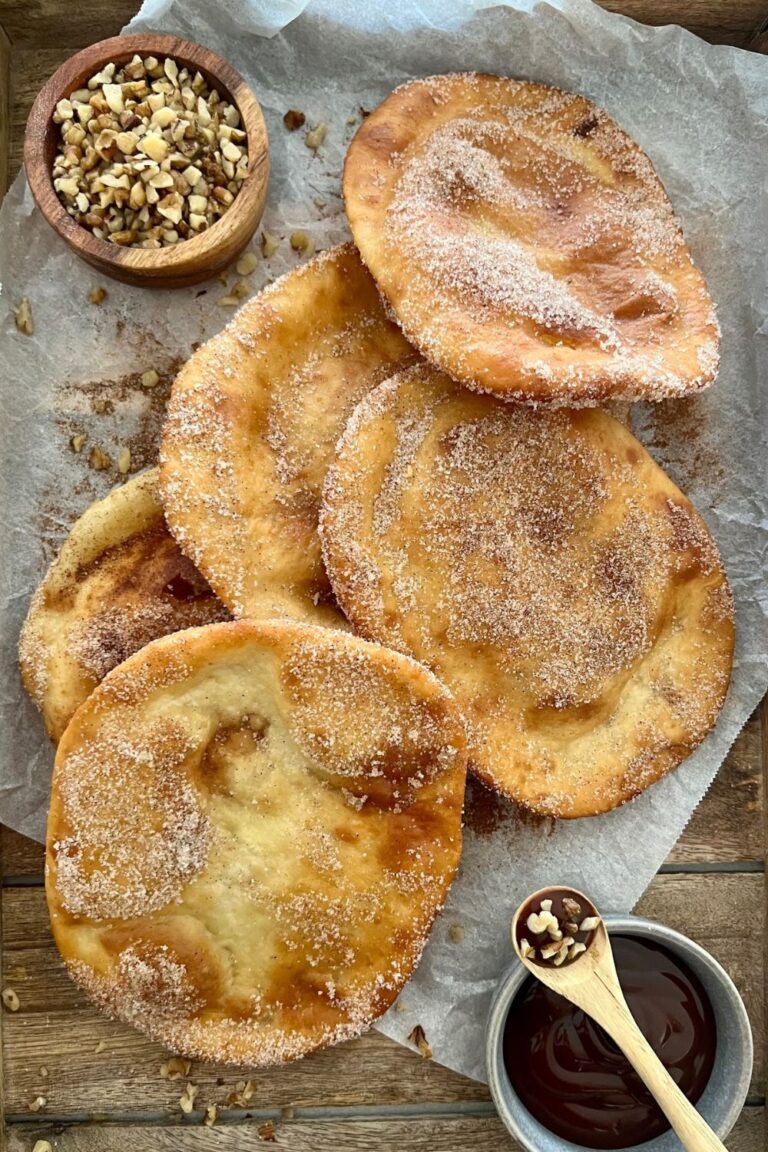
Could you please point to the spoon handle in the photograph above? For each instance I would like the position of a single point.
(617, 1020)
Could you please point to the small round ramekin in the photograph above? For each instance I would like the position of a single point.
(724, 1096)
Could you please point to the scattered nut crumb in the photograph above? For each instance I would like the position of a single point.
(228, 301)
(43, 1071)
(97, 295)
(187, 1098)
(399, 1006)
(10, 999)
(176, 1068)
(269, 244)
(352, 119)
(294, 119)
(124, 461)
(315, 137)
(456, 933)
(240, 289)
(267, 1132)
(247, 264)
(416, 1036)
(42, 1146)
(38, 1103)
(23, 317)
(99, 460)
(243, 1092)
(211, 1112)
(100, 1047)
(303, 243)
(149, 379)
(77, 441)
(288, 1113)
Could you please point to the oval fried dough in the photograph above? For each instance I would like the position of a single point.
(252, 423)
(547, 570)
(527, 245)
(296, 793)
(118, 582)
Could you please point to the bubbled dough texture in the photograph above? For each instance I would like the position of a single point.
(526, 244)
(118, 582)
(252, 423)
(547, 570)
(296, 793)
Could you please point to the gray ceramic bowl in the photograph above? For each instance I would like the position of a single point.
(724, 1096)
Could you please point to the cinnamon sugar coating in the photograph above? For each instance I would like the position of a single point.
(252, 827)
(118, 582)
(547, 570)
(526, 244)
(252, 422)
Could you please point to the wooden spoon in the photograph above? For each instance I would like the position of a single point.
(590, 982)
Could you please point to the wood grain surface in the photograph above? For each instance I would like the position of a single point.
(100, 1080)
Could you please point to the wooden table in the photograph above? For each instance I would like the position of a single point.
(85, 1083)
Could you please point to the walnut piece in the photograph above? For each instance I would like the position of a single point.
(10, 999)
(23, 317)
(294, 119)
(416, 1036)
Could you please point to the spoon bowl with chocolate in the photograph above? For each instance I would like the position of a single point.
(614, 1032)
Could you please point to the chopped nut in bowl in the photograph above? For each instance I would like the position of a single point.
(149, 156)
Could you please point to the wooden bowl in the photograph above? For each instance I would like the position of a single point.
(189, 261)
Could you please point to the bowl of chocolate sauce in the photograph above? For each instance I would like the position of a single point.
(560, 1083)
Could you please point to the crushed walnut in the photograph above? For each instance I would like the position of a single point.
(315, 137)
(23, 317)
(187, 1098)
(10, 999)
(177, 1068)
(150, 154)
(38, 1103)
(242, 1094)
(97, 295)
(269, 245)
(294, 119)
(302, 243)
(267, 1132)
(417, 1037)
(211, 1113)
(555, 930)
(42, 1146)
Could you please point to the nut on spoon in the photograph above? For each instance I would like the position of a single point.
(561, 939)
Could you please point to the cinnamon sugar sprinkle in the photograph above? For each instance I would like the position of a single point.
(167, 832)
(510, 214)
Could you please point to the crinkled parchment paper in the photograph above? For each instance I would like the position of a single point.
(700, 112)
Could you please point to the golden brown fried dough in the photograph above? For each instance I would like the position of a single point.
(547, 570)
(527, 245)
(252, 423)
(118, 582)
(252, 827)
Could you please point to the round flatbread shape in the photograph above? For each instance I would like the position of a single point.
(547, 570)
(296, 793)
(118, 582)
(252, 423)
(526, 244)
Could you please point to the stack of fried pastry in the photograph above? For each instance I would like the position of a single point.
(397, 531)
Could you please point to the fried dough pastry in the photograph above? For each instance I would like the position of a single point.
(296, 793)
(252, 423)
(547, 570)
(118, 582)
(527, 245)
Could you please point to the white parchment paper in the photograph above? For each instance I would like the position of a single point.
(701, 112)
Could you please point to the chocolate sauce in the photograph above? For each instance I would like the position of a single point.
(571, 1076)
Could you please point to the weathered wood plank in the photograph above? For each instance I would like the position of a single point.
(5, 108)
(56, 1029)
(422, 1134)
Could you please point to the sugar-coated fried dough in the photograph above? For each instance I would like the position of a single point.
(547, 570)
(118, 582)
(252, 827)
(527, 245)
(252, 423)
